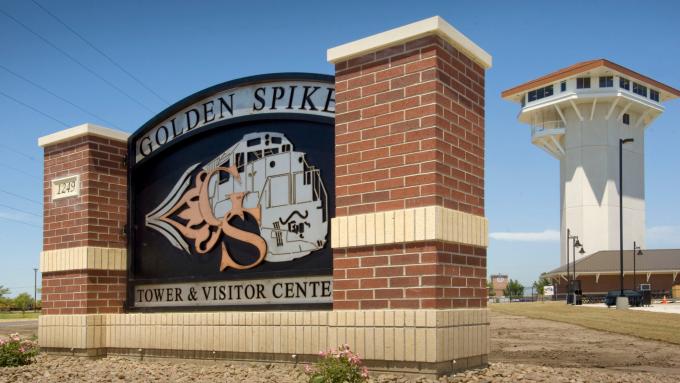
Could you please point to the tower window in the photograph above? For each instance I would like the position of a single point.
(624, 83)
(626, 118)
(654, 95)
(640, 89)
(563, 86)
(541, 93)
(583, 83)
(606, 81)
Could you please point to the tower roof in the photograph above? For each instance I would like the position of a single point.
(585, 66)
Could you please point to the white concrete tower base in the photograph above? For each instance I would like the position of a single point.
(589, 178)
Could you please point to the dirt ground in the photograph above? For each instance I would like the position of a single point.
(522, 350)
(554, 344)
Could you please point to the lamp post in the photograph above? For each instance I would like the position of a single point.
(568, 268)
(572, 277)
(577, 243)
(621, 142)
(639, 252)
(35, 288)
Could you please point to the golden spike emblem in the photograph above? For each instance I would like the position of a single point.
(205, 229)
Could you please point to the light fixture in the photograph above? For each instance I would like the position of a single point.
(582, 251)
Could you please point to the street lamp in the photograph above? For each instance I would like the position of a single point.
(572, 277)
(577, 243)
(621, 142)
(639, 252)
(35, 288)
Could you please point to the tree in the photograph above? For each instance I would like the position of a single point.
(23, 301)
(514, 289)
(489, 287)
(5, 303)
(540, 284)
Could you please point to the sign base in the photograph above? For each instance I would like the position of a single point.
(430, 342)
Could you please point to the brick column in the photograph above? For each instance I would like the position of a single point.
(83, 262)
(410, 230)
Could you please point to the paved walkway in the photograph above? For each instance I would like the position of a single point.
(26, 327)
(671, 308)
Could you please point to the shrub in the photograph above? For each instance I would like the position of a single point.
(16, 351)
(337, 366)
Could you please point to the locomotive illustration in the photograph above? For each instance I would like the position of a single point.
(271, 179)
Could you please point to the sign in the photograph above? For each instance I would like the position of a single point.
(255, 292)
(290, 97)
(548, 290)
(236, 197)
(65, 187)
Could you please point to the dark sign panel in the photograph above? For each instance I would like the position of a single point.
(231, 195)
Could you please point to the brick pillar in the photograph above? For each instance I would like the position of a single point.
(410, 230)
(84, 258)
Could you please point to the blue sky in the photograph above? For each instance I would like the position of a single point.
(179, 47)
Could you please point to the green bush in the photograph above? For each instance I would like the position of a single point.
(337, 366)
(16, 351)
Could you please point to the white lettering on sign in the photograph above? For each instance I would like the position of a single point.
(308, 97)
(226, 293)
(65, 187)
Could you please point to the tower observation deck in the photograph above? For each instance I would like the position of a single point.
(577, 115)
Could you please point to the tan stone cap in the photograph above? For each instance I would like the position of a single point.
(432, 26)
(82, 130)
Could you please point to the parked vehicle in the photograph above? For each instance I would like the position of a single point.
(634, 298)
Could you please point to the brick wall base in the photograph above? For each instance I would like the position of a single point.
(83, 292)
(413, 275)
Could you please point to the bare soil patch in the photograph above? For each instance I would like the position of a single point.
(516, 339)
(650, 325)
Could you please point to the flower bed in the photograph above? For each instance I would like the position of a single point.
(15, 351)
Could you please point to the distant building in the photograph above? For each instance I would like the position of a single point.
(499, 282)
(600, 272)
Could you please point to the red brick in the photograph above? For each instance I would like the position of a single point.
(388, 293)
(404, 304)
(360, 294)
(345, 305)
(374, 283)
(374, 304)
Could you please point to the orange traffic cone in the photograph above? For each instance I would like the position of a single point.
(664, 301)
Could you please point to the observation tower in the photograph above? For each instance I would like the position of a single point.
(578, 115)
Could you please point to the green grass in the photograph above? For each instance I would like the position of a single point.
(18, 315)
(648, 325)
